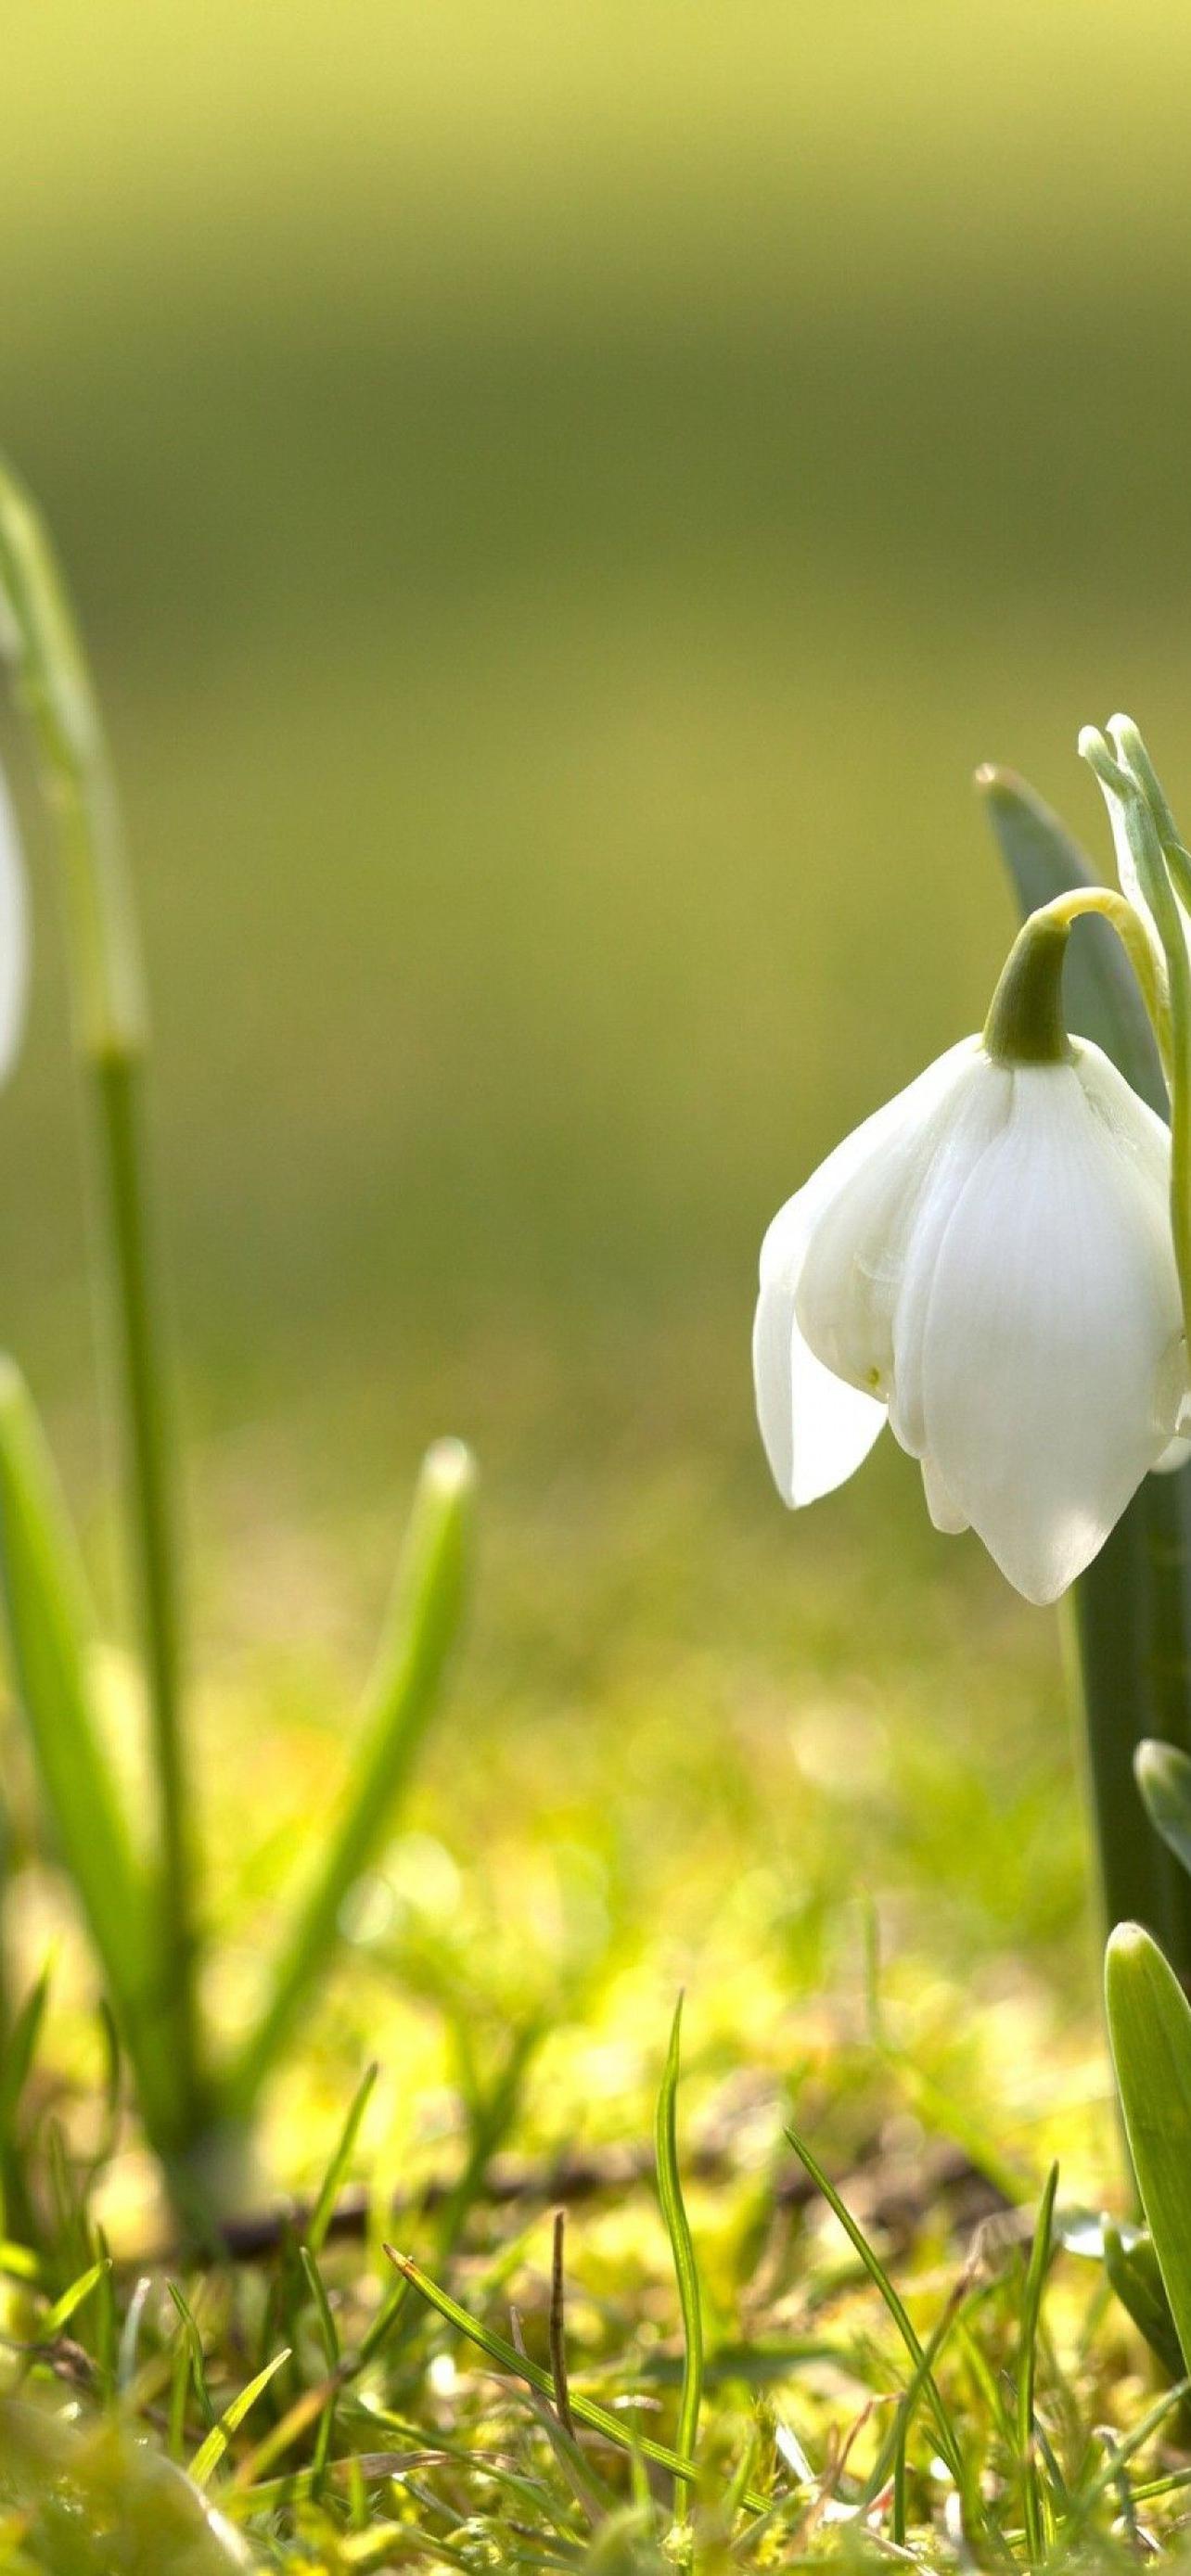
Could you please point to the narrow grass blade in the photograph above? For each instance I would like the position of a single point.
(329, 2336)
(64, 2308)
(593, 2499)
(1149, 2023)
(191, 2344)
(423, 1620)
(682, 2251)
(305, 2411)
(877, 2273)
(209, 2453)
(1085, 2500)
(324, 2206)
(316, 2285)
(599, 2419)
(965, 2297)
(558, 2324)
(1027, 2353)
(48, 1623)
(1164, 1779)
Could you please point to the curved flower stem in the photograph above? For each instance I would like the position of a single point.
(1023, 1022)
(112, 1040)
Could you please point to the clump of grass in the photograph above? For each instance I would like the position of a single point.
(801, 2372)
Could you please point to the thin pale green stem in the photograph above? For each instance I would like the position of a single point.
(111, 1037)
(119, 1086)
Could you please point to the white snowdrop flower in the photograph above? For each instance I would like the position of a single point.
(988, 1260)
(14, 936)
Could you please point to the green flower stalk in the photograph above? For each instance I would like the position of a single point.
(197, 2112)
(111, 1027)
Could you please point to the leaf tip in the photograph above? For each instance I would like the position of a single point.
(449, 1470)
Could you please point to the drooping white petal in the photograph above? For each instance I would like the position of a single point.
(1172, 1458)
(816, 1430)
(14, 936)
(1052, 1320)
(944, 1510)
(851, 1274)
(979, 1115)
(1132, 1124)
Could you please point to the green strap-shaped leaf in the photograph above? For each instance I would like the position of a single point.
(48, 1626)
(1149, 2023)
(399, 1702)
(1100, 993)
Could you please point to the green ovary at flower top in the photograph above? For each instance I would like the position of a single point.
(988, 1263)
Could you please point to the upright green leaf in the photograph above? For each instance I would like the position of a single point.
(1133, 2269)
(48, 1626)
(54, 681)
(423, 1618)
(1149, 2023)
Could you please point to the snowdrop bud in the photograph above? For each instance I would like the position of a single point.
(14, 936)
(1141, 822)
(988, 1261)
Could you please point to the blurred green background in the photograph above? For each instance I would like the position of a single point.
(561, 498)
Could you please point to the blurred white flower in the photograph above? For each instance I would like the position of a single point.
(989, 1261)
(14, 936)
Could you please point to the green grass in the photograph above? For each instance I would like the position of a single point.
(678, 1752)
(561, 502)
